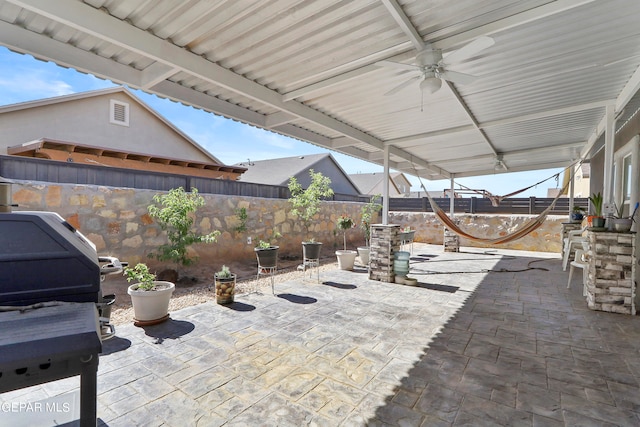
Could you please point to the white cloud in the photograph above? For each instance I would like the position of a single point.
(32, 84)
(272, 139)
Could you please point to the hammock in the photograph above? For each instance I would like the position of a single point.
(495, 200)
(530, 226)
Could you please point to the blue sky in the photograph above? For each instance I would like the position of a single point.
(23, 78)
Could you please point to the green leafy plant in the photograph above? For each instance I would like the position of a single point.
(241, 216)
(174, 213)
(596, 202)
(367, 212)
(140, 274)
(345, 223)
(224, 273)
(266, 244)
(306, 202)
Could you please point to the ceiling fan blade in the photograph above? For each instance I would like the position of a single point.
(468, 50)
(398, 65)
(402, 85)
(458, 78)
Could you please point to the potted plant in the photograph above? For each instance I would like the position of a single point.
(577, 213)
(345, 258)
(266, 252)
(225, 283)
(596, 200)
(367, 212)
(174, 213)
(622, 223)
(306, 205)
(149, 297)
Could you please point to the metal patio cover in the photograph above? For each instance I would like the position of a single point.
(308, 69)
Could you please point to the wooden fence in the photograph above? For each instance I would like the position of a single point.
(30, 169)
(480, 205)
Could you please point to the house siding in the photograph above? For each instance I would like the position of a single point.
(87, 121)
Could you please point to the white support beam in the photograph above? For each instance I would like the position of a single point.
(278, 119)
(154, 74)
(342, 142)
(385, 187)
(545, 114)
(512, 21)
(99, 24)
(471, 116)
(443, 41)
(609, 140)
(511, 155)
(432, 134)
(395, 10)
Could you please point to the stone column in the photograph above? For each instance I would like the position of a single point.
(385, 242)
(612, 259)
(451, 241)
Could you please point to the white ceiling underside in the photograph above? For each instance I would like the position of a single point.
(307, 69)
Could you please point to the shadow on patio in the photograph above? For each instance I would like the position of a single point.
(522, 350)
(468, 346)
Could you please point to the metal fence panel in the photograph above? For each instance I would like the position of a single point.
(30, 169)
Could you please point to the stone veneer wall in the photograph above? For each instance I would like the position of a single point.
(117, 222)
(547, 238)
(610, 286)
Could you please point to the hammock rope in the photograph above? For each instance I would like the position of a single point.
(495, 200)
(527, 228)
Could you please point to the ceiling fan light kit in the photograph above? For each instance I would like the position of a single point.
(432, 67)
(430, 84)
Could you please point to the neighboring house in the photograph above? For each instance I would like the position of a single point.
(581, 182)
(278, 172)
(108, 127)
(372, 183)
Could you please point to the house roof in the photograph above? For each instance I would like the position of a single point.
(368, 182)
(278, 171)
(557, 74)
(102, 92)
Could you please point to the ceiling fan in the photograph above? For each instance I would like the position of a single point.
(432, 67)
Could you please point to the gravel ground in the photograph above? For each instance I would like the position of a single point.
(185, 296)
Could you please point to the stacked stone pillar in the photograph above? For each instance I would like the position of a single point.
(611, 286)
(385, 242)
(451, 241)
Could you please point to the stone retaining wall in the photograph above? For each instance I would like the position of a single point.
(116, 220)
(547, 238)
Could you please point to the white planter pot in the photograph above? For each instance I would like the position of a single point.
(364, 251)
(346, 259)
(151, 305)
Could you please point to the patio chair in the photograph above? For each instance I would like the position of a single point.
(582, 262)
(574, 239)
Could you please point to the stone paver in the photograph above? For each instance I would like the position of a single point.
(483, 340)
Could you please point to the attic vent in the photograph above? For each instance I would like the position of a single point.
(119, 113)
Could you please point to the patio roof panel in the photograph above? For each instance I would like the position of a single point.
(308, 69)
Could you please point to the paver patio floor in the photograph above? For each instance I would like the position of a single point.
(482, 340)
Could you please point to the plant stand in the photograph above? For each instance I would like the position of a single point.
(311, 258)
(267, 264)
(270, 272)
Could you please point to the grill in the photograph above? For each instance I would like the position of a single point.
(50, 277)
